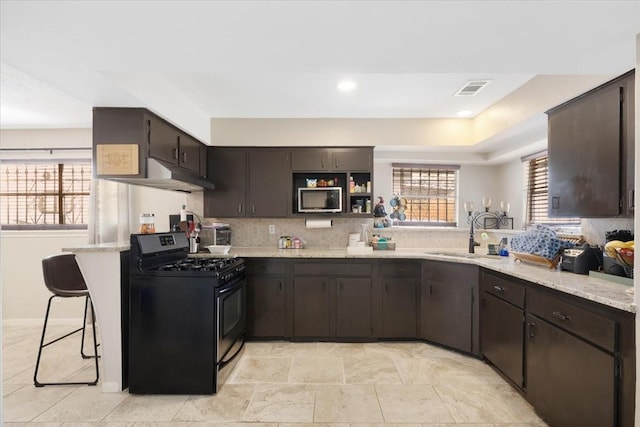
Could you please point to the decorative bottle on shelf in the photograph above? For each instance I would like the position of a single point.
(352, 185)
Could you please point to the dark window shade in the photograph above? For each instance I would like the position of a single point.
(41, 195)
(431, 194)
(536, 172)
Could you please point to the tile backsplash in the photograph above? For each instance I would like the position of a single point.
(255, 233)
(250, 232)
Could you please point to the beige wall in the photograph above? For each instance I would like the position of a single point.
(24, 294)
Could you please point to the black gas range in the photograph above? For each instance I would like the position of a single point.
(187, 316)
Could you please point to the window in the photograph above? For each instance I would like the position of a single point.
(430, 191)
(536, 184)
(45, 195)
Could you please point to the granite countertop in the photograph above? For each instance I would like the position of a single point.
(590, 288)
(100, 247)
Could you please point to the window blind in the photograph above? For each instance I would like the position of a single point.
(536, 175)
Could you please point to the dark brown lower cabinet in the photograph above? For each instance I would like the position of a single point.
(502, 335)
(447, 314)
(353, 307)
(449, 305)
(399, 307)
(266, 307)
(311, 307)
(569, 381)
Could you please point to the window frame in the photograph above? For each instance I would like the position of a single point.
(423, 168)
(59, 163)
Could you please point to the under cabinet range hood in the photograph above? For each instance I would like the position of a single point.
(164, 175)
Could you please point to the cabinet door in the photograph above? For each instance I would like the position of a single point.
(502, 333)
(399, 307)
(351, 159)
(569, 382)
(584, 156)
(269, 192)
(310, 159)
(447, 314)
(227, 168)
(265, 307)
(189, 154)
(354, 307)
(628, 137)
(311, 315)
(163, 141)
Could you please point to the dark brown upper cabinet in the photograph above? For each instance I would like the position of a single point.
(591, 152)
(250, 182)
(155, 138)
(168, 143)
(351, 159)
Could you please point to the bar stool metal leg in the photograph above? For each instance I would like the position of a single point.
(43, 345)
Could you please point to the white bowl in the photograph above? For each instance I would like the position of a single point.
(218, 249)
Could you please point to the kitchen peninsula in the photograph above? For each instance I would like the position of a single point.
(105, 268)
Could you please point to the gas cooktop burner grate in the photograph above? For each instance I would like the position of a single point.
(193, 264)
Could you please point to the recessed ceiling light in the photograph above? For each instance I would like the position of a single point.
(465, 113)
(346, 85)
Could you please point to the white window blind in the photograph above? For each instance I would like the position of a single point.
(536, 180)
(430, 191)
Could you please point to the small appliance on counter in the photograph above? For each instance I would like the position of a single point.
(219, 233)
(581, 260)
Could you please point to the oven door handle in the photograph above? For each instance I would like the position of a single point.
(230, 289)
(224, 363)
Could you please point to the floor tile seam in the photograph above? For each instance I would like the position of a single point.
(439, 394)
(53, 404)
(173, 418)
(244, 414)
(375, 390)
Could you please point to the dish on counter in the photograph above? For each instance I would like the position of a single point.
(219, 249)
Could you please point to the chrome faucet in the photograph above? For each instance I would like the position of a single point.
(472, 240)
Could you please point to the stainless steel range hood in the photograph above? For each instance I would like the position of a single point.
(167, 176)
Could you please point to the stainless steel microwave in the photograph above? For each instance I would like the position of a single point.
(319, 199)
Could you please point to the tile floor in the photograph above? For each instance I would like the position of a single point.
(274, 384)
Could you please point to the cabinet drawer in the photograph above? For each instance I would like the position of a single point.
(261, 268)
(590, 326)
(504, 289)
(332, 269)
(400, 268)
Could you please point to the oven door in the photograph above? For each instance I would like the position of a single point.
(232, 321)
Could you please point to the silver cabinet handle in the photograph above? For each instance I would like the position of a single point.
(184, 157)
(175, 154)
(498, 288)
(561, 316)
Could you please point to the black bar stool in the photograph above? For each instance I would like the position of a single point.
(64, 279)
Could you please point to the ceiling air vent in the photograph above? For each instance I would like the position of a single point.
(472, 87)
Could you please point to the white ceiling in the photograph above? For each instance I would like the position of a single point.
(193, 60)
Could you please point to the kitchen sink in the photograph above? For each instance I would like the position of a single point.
(463, 255)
